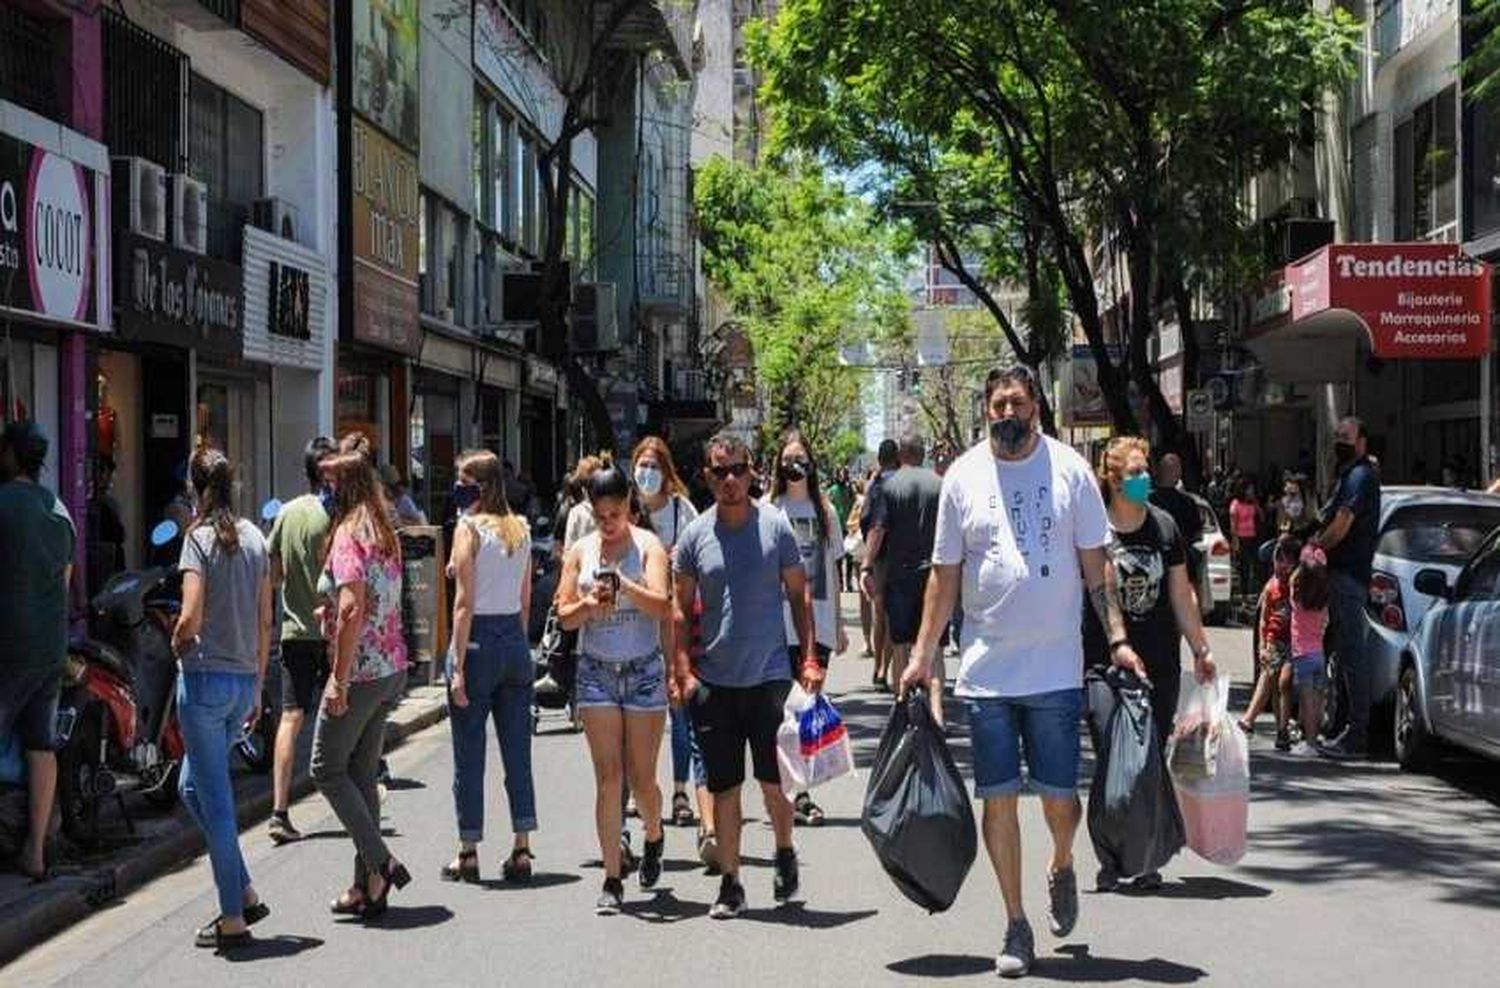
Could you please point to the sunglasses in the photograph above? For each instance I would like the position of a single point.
(732, 470)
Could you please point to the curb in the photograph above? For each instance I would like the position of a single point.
(67, 900)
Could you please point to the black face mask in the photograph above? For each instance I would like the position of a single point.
(1010, 434)
(795, 470)
(1343, 453)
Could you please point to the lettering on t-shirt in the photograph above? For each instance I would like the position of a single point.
(1031, 525)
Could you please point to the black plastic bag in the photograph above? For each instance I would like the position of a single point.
(917, 815)
(1134, 821)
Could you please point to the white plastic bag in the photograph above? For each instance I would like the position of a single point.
(1210, 763)
(812, 744)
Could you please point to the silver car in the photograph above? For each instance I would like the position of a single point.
(1214, 575)
(1449, 675)
(1420, 528)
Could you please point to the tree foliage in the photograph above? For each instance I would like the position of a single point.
(808, 273)
(1056, 125)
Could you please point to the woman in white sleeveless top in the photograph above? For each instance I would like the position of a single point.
(490, 671)
(614, 590)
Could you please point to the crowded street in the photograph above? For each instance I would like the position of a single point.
(1351, 868)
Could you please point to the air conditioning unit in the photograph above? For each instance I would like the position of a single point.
(189, 213)
(595, 325)
(520, 296)
(275, 215)
(1289, 240)
(140, 196)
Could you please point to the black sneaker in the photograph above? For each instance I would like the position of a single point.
(730, 901)
(651, 862)
(1062, 892)
(785, 884)
(611, 898)
(1346, 747)
(1283, 740)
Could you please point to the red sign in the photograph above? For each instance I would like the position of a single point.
(1418, 301)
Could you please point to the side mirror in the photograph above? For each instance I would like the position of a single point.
(163, 533)
(1433, 583)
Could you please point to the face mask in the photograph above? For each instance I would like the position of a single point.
(465, 496)
(1343, 453)
(1137, 488)
(795, 470)
(648, 479)
(1010, 434)
(1293, 506)
(328, 500)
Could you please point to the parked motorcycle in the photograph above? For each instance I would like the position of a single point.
(257, 745)
(117, 721)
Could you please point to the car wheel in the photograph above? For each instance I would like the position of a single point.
(1416, 748)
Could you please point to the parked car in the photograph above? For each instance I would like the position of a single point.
(1421, 528)
(1449, 671)
(1214, 570)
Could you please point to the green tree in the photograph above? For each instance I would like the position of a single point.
(1061, 120)
(808, 273)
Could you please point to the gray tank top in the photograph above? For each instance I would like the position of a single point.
(628, 633)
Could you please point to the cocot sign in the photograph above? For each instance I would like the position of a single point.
(1417, 301)
(47, 231)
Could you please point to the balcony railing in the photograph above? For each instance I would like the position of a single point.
(28, 76)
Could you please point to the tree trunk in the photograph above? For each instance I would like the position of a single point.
(1192, 462)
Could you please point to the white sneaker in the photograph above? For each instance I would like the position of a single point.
(1304, 750)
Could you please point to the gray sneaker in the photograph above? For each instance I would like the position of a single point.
(1062, 913)
(1020, 950)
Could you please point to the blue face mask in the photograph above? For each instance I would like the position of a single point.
(328, 499)
(1137, 488)
(465, 496)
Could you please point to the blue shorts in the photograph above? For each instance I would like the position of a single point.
(636, 686)
(1310, 672)
(1044, 724)
(28, 707)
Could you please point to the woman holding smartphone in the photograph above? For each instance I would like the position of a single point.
(615, 590)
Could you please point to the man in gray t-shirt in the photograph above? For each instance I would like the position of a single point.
(740, 557)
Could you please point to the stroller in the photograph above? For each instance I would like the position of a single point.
(555, 665)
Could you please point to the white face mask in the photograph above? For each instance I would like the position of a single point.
(648, 479)
(1293, 506)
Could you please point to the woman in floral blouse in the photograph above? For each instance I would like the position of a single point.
(368, 650)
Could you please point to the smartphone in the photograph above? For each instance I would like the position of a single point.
(607, 582)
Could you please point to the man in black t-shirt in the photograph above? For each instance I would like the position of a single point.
(1169, 496)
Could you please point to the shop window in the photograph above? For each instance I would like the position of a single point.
(226, 151)
(1427, 169)
(434, 448)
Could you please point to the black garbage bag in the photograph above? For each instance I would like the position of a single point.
(917, 815)
(1134, 821)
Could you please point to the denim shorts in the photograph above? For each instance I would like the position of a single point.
(1310, 671)
(1043, 725)
(28, 707)
(634, 685)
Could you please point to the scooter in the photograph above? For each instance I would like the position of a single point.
(117, 723)
(256, 745)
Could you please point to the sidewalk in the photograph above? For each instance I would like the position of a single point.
(31, 913)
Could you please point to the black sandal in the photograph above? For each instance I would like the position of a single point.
(806, 811)
(351, 903)
(395, 875)
(682, 810)
(211, 937)
(465, 869)
(517, 867)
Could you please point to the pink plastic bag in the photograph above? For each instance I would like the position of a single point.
(1210, 762)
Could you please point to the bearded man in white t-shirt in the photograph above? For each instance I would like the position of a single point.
(1021, 526)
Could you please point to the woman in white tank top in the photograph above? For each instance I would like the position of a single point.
(490, 670)
(614, 590)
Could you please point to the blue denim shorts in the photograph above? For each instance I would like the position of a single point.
(1043, 725)
(1310, 672)
(634, 685)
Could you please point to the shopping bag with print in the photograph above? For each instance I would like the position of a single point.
(812, 744)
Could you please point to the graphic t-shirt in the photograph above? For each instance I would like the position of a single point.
(1016, 529)
(297, 540)
(738, 572)
(821, 563)
(1143, 561)
(358, 558)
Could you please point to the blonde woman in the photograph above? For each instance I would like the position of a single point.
(490, 672)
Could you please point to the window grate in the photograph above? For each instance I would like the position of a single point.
(145, 82)
(28, 63)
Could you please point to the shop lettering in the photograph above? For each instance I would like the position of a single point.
(1399, 266)
(58, 235)
(187, 298)
(385, 179)
(10, 257)
(385, 240)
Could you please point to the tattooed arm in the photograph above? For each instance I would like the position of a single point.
(1104, 598)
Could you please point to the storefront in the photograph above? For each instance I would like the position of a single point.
(543, 431)
(54, 248)
(1395, 333)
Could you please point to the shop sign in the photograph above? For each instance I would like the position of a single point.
(1426, 301)
(286, 301)
(386, 44)
(1272, 303)
(1085, 403)
(289, 311)
(48, 231)
(540, 375)
(385, 216)
(1200, 410)
(178, 298)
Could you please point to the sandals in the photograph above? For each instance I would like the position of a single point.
(351, 903)
(464, 869)
(517, 867)
(807, 812)
(395, 875)
(212, 937)
(682, 810)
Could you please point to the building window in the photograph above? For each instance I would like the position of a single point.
(581, 232)
(226, 141)
(495, 194)
(1427, 170)
(441, 260)
(531, 224)
(146, 80)
(1482, 161)
(29, 58)
(504, 142)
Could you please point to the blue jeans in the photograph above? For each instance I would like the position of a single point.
(212, 707)
(498, 679)
(687, 760)
(1346, 613)
(1045, 724)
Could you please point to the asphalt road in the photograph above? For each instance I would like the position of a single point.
(1356, 875)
